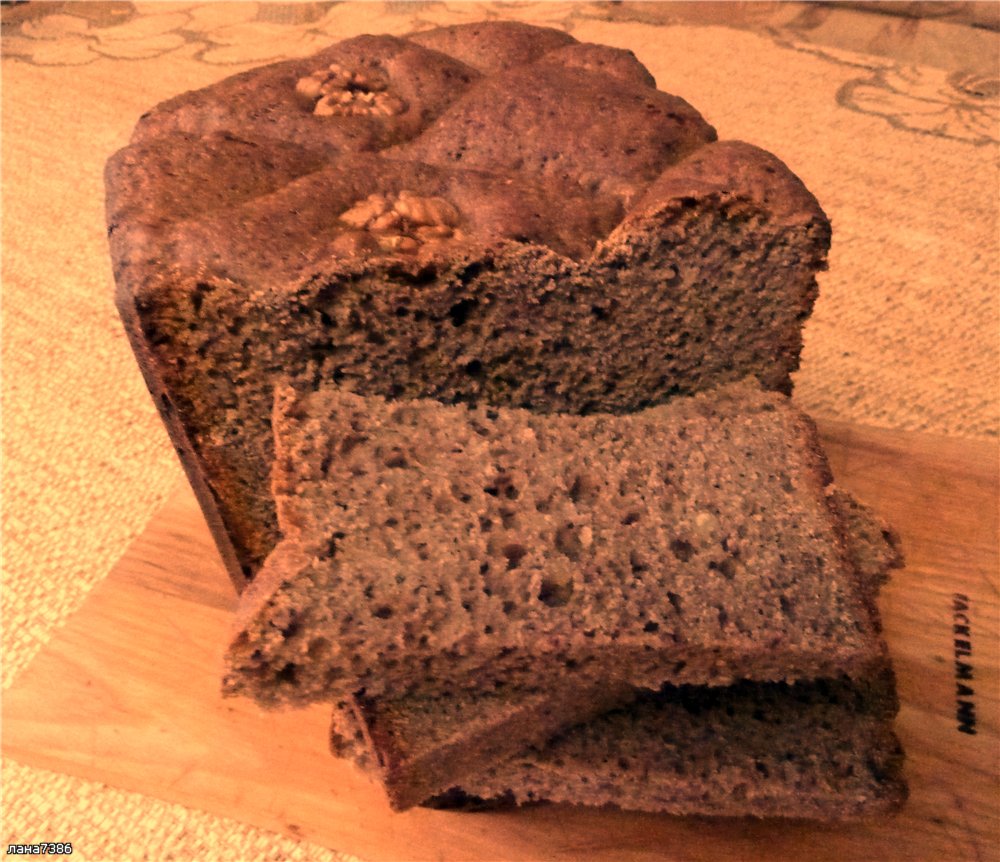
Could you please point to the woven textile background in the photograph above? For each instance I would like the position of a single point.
(892, 122)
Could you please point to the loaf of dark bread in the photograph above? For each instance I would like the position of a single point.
(431, 548)
(422, 747)
(492, 213)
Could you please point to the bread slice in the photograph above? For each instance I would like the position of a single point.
(422, 747)
(821, 749)
(432, 548)
(481, 240)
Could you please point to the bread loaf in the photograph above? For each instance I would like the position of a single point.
(492, 213)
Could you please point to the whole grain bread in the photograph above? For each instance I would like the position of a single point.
(419, 748)
(435, 548)
(492, 213)
(821, 749)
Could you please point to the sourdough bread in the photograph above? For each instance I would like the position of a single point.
(492, 213)
(432, 547)
(422, 747)
(821, 749)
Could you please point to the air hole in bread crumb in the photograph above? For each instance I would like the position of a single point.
(397, 459)
(461, 310)
(514, 554)
(555, 594)
(507, 517)
(726, 567)
(675, 601)
(318, 648)
(485, 524)
(637, 562)
(682, 550)
(287, 674)
(787, 607)
(651, 627)
(567, 540)
(630, 518)
(584, 488)
(332, 542)
(508, 607)
(383, 612)
(723, 616)
(460, 494)
(351, 442)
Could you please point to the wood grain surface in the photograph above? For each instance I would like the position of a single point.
(127, 693)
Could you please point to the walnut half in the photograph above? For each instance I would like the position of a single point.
(403, 223)
(336, 91)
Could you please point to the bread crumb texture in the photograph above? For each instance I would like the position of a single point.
(429, 546)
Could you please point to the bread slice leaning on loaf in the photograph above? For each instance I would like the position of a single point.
(504, 215)
(420, 747)
(431, 549)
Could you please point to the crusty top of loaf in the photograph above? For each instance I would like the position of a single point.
(502, 133)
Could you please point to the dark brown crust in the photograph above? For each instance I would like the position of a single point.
(260, 103)
(489, 47)
(125, 303)
(737, 170)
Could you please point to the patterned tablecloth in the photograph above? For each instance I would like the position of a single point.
(891, 120)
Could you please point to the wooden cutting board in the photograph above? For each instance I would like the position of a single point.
(127, 694)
